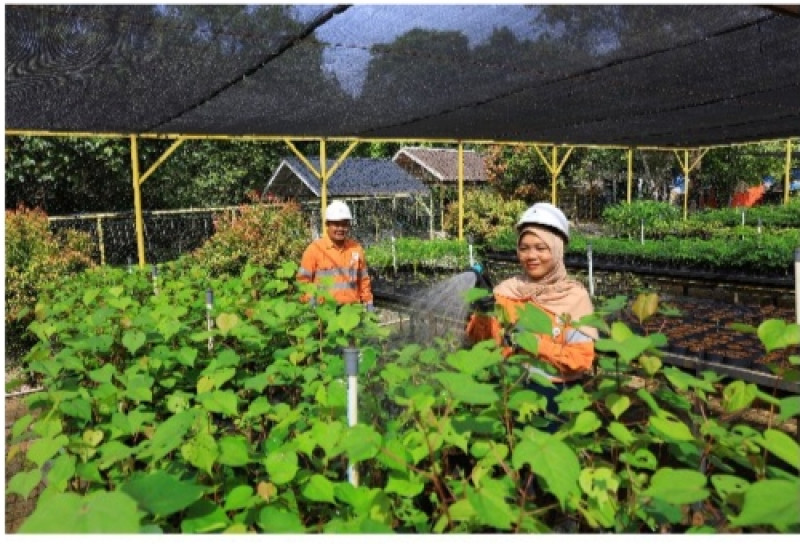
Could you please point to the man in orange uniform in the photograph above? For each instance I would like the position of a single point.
(339, 258)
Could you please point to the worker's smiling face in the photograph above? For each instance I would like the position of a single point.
(535, 256)
(338, 230)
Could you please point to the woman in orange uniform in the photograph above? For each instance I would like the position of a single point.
(339, 259)
(542, 234)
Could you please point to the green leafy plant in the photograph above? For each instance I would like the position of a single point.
(35, 257)
(260, 234)
(184, 419)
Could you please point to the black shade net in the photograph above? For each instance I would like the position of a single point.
(645, 75)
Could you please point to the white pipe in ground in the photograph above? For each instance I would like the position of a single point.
(351, 356)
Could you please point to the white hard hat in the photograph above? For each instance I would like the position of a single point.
(338, 211)
(547, 215)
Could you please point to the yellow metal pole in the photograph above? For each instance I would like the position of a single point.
(788, 172)
(169, 151)
(460, 190)
(323, 177)
(137, 200)
(630, 174)
(553, 177)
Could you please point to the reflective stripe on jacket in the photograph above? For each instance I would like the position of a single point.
(346, 268)
(569, 351)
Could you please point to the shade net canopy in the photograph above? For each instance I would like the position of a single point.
(627, 75)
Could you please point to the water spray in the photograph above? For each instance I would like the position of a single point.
(641, 235)
(471, 258)
(351, 357)
(130, 265)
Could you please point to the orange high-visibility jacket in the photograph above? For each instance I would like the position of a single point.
(569, 351)
(347, 267)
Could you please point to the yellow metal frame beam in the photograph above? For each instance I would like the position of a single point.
(554, 167)
(629, 153)
(687, 168)
(138, 179)
(787, 175)
(324, 173)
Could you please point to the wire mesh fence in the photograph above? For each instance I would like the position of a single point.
(171, 233)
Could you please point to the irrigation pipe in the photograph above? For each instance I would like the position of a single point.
(351, 356)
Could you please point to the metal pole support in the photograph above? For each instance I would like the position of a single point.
(351, 357)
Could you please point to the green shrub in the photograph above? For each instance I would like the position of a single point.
(34, 258)
(625, 219)
(485, 214)
(260, 234)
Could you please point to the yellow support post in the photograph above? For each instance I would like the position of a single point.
(554, 167)
(323, 178)
(788, 172)
(137, 200)
(630, 174)
(460, 190)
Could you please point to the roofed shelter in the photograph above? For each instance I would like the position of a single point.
(677, 77)
(439, 169)
(367, 185)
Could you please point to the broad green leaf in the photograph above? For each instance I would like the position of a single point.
(670, 427)
(411, 486)
(99, 512)
(771, 502)
(233, 451)
(226, 322)
(168, 436)
(61, 472)
(161, 493)
(319, 489)
(738, 396)
(728, 485)
(617, 404)
(551, 459)
(640, 458)
(790, 407)
(677, 486)
(474, 360)
(276, 520)
(204, 516)
(201, 451)
(220, 402)
(361, 442)
(133, 340)
(465, 389)
(327, 435)
(92, 437)
(24, 482)
(281, 465)
(621, 433)
(44, 449)
(112, 452)
(777, 334)
(645, 306)
(535, 320)
(239, 497)
(585, 423)
(489, 503)
(104, 374)
(782, 445)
